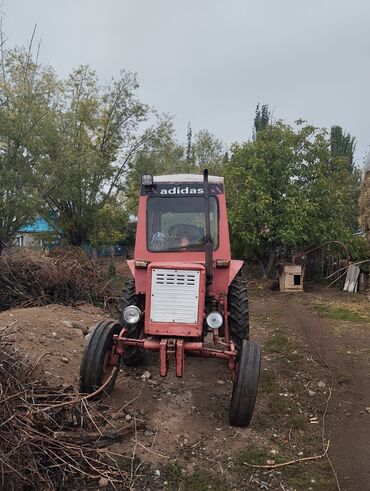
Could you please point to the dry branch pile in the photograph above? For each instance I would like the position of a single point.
(45, 444)
(65, 276)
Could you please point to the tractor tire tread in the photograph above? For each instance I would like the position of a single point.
(238, 310)
(132, 356)
(97, 344)
(245, 388)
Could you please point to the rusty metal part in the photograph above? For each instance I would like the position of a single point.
(178, 347)
(179, 358)
(163, 357)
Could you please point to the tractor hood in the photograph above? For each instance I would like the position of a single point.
(222, 276)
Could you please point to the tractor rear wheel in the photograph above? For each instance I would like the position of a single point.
(237, 299)
(245, 388)
(132, 356)
(99, 358)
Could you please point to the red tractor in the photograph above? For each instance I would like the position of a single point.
(184, 286)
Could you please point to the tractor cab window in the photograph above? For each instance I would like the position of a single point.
(178, 223)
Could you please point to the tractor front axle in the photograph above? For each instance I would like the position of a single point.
(178, 347)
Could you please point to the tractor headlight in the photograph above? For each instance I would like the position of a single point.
(147, 180)
(131, 314)
(214, 320)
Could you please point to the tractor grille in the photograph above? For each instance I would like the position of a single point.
(175, 296)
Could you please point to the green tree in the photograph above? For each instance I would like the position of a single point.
(261, 118)
(332, 186)
(288, 191)
(92, 139)
(266, 207)
(207, 152)
(161, 155)
(113, 226)
(342, 145)
(189, 157)
(364, 204)
(27, 95)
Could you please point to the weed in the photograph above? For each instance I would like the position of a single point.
(198, 480)
(302, 476)
(297, 422)
(278, 408)
(280, 345)
(339, 313)
(277, 343)
(268, 383)
(251, 455)
(309, 475)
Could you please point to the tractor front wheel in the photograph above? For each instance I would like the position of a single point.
(99, 358)
(245, 387)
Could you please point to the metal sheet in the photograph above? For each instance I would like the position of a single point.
(175, 296)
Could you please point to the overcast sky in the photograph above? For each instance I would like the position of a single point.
(211, 61)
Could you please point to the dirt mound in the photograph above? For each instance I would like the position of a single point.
(49, 439)
(54, 332)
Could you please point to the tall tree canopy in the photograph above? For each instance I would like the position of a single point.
(364, 201)
(261, 118)
(342, 145)
(92, 138)
(73, 151)
(27, 95)
(162, 155)
(288, 191)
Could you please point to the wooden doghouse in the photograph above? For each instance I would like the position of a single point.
(291, 278)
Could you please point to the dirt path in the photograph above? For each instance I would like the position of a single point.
(187, 443)
(344, 349)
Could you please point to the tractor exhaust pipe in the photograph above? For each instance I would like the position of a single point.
(208, 247)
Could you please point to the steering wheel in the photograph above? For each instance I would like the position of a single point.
(185, 231)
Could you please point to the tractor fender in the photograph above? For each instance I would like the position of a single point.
(235, 266)
(131, 265)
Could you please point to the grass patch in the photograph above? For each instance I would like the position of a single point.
(252, 455)
(296, 388)
(198, 480)
(279, 410)
(277, 343)
(340, 313)
(280, 345)
(297, 422)
(268, 383)
(300, 476)
(310, 475)
(279, 405)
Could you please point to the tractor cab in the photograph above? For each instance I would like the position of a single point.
(172, 240)
(184, 290)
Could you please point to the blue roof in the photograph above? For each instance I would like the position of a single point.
(39, 225)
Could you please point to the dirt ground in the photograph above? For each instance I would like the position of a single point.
(315, 389)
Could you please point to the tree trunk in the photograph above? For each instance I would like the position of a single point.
(75, 238)
(267, 267)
